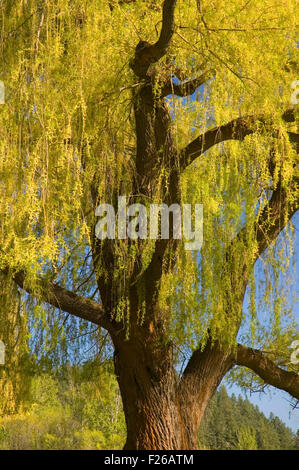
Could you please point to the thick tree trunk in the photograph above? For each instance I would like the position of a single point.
(148, 386)
(163, 412)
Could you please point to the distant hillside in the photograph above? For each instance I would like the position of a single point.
(234, 423)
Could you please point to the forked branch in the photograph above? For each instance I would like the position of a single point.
(146, 53)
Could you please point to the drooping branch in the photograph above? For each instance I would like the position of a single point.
(237, 129)
(267, 370)
(146, 53)
(274, 218)
(187, 88)
(64, 300)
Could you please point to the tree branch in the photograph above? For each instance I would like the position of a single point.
(201, 377)
(65, 300)
(187, 88)
(237, 129)
(167, 29)
(270, 222)
(146, 53)
(273, 218)
(267, 370)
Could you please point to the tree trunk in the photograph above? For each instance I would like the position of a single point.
(202, 376)
(163, 412)
(149, 394)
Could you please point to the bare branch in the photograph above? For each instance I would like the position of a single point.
(237, 129)
(267, 370)
(146, 53)
(65, 300)
(187, 88)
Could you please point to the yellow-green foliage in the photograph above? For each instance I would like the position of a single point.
(68, 122)
(71, 413)
(14, 378)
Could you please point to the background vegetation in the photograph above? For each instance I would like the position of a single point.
(80, 408)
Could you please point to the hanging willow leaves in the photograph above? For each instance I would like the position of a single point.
(163, 102)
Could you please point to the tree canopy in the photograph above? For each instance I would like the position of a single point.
(164, 102)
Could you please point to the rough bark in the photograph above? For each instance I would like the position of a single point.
(199, 383)
(148, 385)
(164, 411)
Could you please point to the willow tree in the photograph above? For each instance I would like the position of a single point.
(161, 102)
